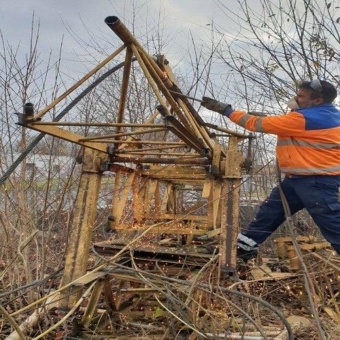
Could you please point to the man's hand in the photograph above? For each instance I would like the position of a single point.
(214, 105)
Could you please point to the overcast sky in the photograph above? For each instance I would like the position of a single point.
(75, 21)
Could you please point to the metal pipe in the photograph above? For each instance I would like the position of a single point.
(29, 109)
(181, 95)
(126, 36)
(218, 128)
(120, 29)
(101, 124)
(124, 88)
(157, 160)
(185, 96)
(122, 134)
(180, 131)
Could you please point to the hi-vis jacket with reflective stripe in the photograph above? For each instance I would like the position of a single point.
(308, 139)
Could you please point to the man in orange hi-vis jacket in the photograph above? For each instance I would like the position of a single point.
(308, 154)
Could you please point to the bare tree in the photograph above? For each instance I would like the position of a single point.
(36, 198)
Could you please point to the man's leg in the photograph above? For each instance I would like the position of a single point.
(270, 216)
(320, 195)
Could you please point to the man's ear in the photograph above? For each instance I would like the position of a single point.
(319, 101)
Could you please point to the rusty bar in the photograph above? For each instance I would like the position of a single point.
(197, 117)
(231, 191)
(148, 75)
(218, 128)
(198, 129)
(126, 36)
(149, 120)
(152, 153)
(155, 148)
(151, 142)
(183, 102)
(124, 88)
(132, 133)
(99, 124)
(165, 90)
(78, 83)
(149, 66)
(178, 129)
(66, 135)
(181, 95)
(157, 160)
(77, 254)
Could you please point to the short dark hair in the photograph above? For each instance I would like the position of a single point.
(320, 89)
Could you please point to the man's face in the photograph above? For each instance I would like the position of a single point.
(304, 99)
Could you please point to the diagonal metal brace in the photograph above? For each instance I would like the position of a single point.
(182, 132)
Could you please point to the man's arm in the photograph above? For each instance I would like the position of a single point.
(290, 124)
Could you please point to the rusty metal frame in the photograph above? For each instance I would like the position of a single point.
(186, 157)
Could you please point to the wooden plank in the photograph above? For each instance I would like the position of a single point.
(89, 277)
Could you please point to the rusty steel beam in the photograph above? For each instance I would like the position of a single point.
(157, 160)
(179, 130)
(125, 35)
(124, 88)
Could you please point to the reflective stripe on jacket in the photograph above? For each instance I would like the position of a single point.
(308, 139)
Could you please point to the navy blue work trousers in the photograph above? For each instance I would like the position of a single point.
(318, 194)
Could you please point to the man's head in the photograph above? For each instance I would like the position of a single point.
(315, 92)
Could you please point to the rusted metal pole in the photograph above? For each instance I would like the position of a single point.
(148, 65)
(157, 160)
(122, 134)
(81, 229)
(124, 88)
(101, 124)
(125, 35)
(230, 207)
(78, 83)
(198, 129)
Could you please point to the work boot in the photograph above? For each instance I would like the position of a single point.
(246, 255)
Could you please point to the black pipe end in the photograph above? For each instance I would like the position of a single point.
(112, 21)
(29, 109)
(162, 110)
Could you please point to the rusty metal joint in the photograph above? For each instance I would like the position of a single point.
(27, 116)
(247, 164)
